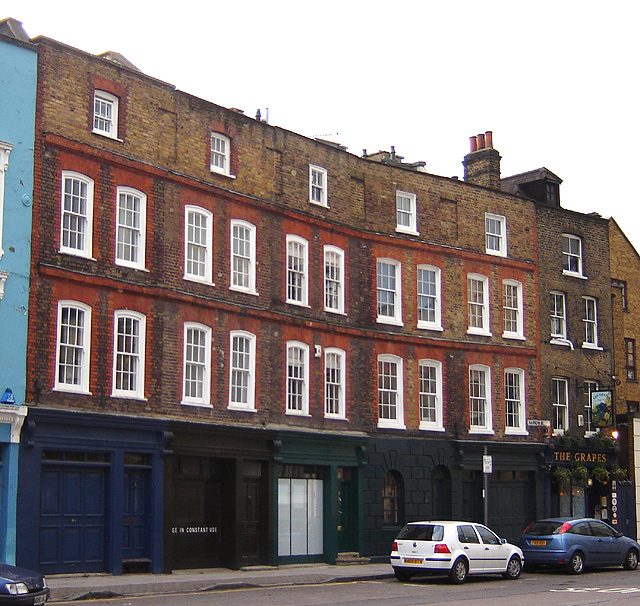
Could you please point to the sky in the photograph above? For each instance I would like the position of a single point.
(556, 81)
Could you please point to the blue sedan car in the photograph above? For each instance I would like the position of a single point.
(21, 587)
(576, 543)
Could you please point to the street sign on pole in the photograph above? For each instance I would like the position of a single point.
(487, 464)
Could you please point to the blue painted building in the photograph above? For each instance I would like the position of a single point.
(18, 74)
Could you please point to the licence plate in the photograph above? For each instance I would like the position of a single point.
(39, 599)
(538, 542)
(412, 561)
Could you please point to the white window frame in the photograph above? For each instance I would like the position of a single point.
(334, 280)
(302, 381)
(85, 221)
(423, 394)
(394, 292)
(436, 297)
(318, 186)
(207, 278)
(590, 323)
(397, 393)
(519, 399)
(410, 214)
(560, 407)
(220, 149)
(492, 236)
(111, 122)
(138, 232)
(476, 396)
(248, 369)
(509, 308)
(301, 272)
(82, 345)
(337, 383)
(248, 257)
(559, 316)
(569, 255)
(473, 304)
(589, 429)
(204, 363)
(5, 150)
(138, 392)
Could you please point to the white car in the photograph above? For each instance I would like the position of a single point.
(454, 548)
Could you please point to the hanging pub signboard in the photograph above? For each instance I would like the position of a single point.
(602, 408)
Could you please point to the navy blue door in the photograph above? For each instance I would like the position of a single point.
(135, 538)
(72, 518)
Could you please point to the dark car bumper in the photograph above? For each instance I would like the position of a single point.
(26, 599)
(550, 557)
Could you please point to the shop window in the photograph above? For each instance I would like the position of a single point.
(300, 514)
(392, 498)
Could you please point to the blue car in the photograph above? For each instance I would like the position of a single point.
(577, 543)
(21, 587)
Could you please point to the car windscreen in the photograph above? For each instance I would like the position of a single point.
(543, 527)
(422, 532)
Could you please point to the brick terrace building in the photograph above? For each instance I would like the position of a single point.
(576, 341)
(625, 281)
(243, 337)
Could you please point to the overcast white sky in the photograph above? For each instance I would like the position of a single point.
(556, 81)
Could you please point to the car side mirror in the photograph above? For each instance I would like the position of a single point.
(503, 541)
(618, 534)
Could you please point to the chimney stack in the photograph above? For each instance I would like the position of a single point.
(482, 163)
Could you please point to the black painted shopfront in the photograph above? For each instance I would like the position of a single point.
(218, 509)
(412, 479)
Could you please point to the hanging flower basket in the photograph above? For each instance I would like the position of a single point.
(580, 474)
(562, 475)
(600, 474)
(618, 473)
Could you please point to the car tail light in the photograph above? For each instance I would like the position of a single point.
(394, 546)
(526, 530)
(564, 528)
(441, 548)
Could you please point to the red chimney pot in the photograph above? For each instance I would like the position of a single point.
(489, 138)
(473, 141)
(480, 141)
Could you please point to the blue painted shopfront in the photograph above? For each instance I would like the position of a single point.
(91, 493)
(18, 69)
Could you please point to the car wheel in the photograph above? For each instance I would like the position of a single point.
(459, 571)
(514, 568)
(631, 560)
(402, 575)
(576, 564)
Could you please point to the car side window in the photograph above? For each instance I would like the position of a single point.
(583, 529)
(466, 534)
(599, 529)
(488, 538)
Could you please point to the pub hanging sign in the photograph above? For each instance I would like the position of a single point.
(602, 408)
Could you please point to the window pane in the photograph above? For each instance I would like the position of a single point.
(387, 390)
(71, 346)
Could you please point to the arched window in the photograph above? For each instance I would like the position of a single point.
(392, 498)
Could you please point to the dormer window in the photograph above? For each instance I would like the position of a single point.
(105, 114)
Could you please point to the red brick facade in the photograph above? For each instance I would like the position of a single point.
(163, 151)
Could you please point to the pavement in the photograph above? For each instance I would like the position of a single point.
(85, 587)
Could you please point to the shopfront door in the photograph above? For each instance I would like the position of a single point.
(347, 510)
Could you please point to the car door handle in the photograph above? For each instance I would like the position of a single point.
(486, 549)
(466, 547)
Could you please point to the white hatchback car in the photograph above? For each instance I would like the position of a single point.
(454, 548)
